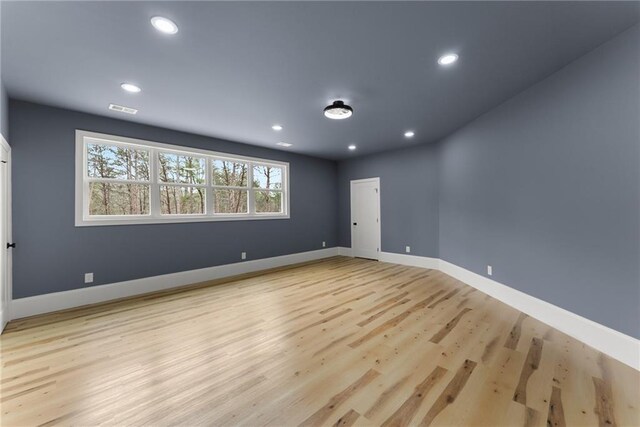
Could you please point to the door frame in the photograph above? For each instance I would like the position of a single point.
(5, 316)
(376, 180)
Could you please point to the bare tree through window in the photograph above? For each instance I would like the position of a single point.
(183, 178)
(230, 187)
(120, 180)
(269, 180)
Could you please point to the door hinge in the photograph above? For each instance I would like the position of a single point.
(376, 190)
(377, 249)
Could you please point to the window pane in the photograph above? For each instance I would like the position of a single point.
(230, 201)
(230, 174)
(268, 201)
(110, 161)
(267, 177)
(118, 199)
(180, 169)
(178, 200)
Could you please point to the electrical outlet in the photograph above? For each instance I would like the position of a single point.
(408, 249)
(243, 255)
(88, 278)
(489, 270)
(324, 244)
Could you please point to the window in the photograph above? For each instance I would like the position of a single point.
(267, 181)
(182, 184)
(230, 186)
(118, 180)
(127, 181)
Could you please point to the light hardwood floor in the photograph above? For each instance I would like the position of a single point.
(337, 342)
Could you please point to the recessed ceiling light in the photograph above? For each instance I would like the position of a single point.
(352, 147)
(164, 25)
(409, 134)
(122, 109)
(338, 111)
(276, 127)
(448, 59)
(283, 144)
(129, 87)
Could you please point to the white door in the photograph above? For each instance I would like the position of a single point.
(365, 218)
(5, 235)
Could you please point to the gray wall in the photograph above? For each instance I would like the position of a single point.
(53, 255)
(408, 198)
(545, 188)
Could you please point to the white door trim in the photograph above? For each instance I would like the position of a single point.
(375, 180)
(6, 315)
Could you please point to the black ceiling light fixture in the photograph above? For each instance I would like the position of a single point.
(338, 111)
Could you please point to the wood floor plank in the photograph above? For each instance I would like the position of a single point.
(604, 403)
(382, 312)
(388, 393)
(531, 364)
(405, 413)
(439, 336)
(394, 299)
(514, 335)
(322, 414)
(347, 419)
(392, 323)
(555, 417)
(450, 393)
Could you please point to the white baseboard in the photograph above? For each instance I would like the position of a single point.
(30, 306)
(342, 251)
(621, 347)
(412, 260)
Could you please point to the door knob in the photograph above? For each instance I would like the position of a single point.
(355, 223)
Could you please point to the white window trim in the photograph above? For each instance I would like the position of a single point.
(82, 218)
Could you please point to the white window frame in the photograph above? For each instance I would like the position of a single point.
(83, 219)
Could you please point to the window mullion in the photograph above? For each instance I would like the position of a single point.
(285, 190)
(229, 187)
(86, 195)
(251, 205)
(209, 181)
(154, 191)
(117, 181)
(180, 184)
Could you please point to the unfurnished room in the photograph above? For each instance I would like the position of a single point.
(320, 213)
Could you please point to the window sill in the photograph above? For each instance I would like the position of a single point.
(176, 219)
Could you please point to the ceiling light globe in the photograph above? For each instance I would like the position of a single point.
(338, 111)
